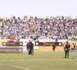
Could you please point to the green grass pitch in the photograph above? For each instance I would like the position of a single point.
(39, 61)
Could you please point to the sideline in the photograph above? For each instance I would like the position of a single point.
(21, 67)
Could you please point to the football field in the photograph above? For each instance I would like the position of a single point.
(38, 61)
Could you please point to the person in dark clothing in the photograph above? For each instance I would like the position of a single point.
(53, 46)
(66, 50)
(30, 48)
(74, 45)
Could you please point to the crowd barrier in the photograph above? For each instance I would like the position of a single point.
(11, 50)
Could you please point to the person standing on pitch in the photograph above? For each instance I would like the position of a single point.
(53, 46)
(66, 50)
(30, 48)
(74, 46)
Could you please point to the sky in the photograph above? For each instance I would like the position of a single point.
(38, 8)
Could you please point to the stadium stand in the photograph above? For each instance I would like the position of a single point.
(46, 29)
(60, 27)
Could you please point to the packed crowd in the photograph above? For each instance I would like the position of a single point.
(60, 27)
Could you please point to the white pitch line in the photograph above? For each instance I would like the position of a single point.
(37, 59)
(21, 67)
